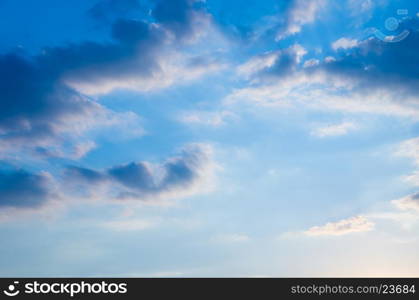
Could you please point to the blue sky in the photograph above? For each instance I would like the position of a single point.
(182, 138)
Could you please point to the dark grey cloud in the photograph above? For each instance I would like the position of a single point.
(140, 180)
(32, 99)
(296, 14)
(21, 189)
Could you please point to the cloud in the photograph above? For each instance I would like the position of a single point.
(334, 129)
(272, 66)
(343, 227)
(258, 63)
(214, 119)
(409, 149)
(230, 238)
(344, 43)
(298, 14)
(373, 77)
(374, 64)
(410, 202)
(128, 225)
(45, 106)
(180, 176)
(24, 190)
(141, 57)
(311, 63)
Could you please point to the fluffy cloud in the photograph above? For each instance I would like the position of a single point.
(298, 14)
(214, 119)
(36, 108)
(184, 175)
(344, 43)
(346, 226)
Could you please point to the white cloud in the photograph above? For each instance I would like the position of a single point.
(412, 178)
(410, 149)
(346, 226)
(173, 68)
(344, 43)
(258, 63)
(214, 119)
(410, 202)
(334, 129)
(329, 59)
(311, 63)
(301, 13)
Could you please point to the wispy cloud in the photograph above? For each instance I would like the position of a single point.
(231, 238)
(343, 227)
(213, 119)
(410, 202)
(334, 129)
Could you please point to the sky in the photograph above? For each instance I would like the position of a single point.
(209, 138)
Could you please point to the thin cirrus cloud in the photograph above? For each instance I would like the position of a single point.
(334, 129)
(140, 55)
(342, 227)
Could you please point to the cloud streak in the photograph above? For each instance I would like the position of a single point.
(343, 227)
(184, 175)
